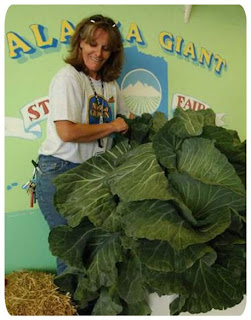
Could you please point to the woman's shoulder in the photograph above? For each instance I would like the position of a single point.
(68, 71)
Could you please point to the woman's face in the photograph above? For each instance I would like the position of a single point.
(96, 53)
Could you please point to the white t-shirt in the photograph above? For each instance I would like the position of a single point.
(72, 98)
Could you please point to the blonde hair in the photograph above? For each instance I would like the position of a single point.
(85, 30)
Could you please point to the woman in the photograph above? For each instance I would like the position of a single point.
(84, 102)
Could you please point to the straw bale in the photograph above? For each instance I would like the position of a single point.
(35, 293)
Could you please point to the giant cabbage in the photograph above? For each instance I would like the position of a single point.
(162, 211)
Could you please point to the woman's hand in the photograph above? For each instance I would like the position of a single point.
(119, 125)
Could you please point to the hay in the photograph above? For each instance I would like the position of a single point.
(34, 293)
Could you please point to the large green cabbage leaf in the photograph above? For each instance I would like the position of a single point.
(208, 287)
(82, 191)
(162, 211)
(159, 220)
(139, 177)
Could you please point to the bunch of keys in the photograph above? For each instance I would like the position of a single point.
(30, 186)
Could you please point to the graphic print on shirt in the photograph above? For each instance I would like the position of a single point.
(94, 110)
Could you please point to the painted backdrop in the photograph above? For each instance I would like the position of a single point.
(170, 62)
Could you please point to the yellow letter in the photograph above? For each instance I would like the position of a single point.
(190, 50)
(179, 42)
(40, 38)
(220, 63)
(17, 44)
(205, 56)
(166, 41)
(67, 30)
(134, 33)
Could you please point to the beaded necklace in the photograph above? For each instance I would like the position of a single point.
(101, 116)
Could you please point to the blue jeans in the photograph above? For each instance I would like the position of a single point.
(50, 168)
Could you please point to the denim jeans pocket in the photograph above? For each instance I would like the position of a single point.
(51, 165)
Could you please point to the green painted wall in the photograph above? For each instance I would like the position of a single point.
(26, 242)
(220, 29)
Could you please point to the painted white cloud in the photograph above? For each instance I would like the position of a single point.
(14, 127)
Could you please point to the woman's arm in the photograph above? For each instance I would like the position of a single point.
(78, 132)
